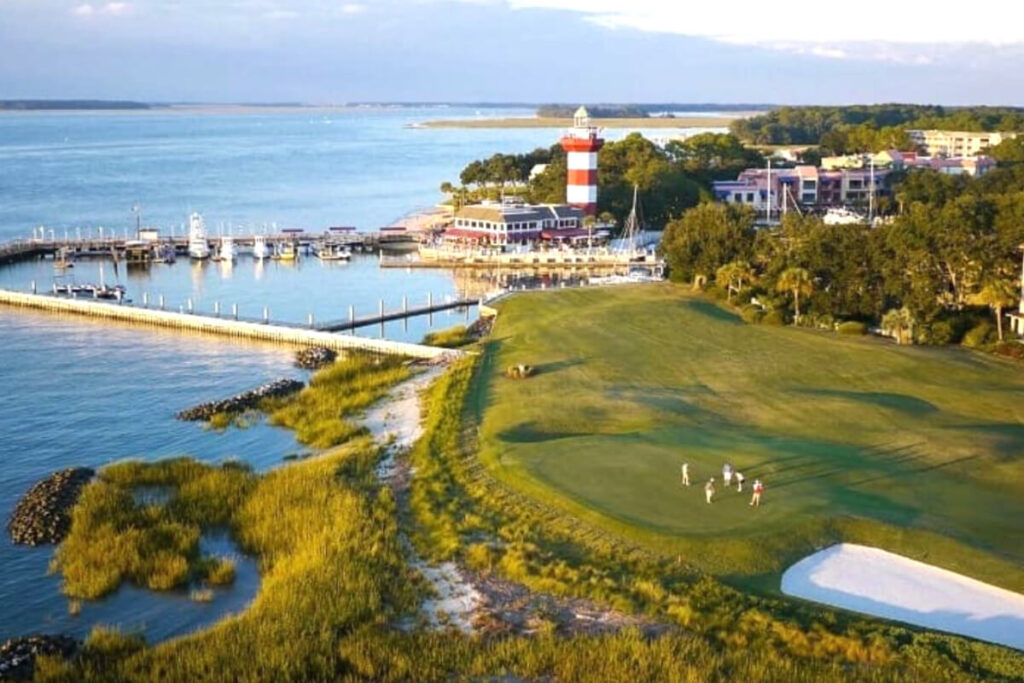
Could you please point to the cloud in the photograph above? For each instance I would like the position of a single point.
(280, 15)
(352, 8)
(908, 29)
(111, 9)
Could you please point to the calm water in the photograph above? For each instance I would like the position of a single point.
(84, 393)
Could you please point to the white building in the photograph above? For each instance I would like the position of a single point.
(956, 143)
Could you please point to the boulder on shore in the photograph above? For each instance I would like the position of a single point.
(314, 357)
(242, 402)
(43, 515)
(18, 655)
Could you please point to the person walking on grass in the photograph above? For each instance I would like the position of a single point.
(709, 489)
(739, 481)
(727, 474)
(686, 474)
(755, 499)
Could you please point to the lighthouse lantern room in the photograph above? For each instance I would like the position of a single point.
(581, 144)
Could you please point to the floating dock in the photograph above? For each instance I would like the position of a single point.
(283, 333)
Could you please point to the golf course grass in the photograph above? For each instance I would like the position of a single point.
(919, 451)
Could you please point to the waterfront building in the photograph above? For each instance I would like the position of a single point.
(956, 143)
(581, 144)
(501, 223)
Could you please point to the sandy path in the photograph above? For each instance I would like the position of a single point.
(396, 422)
(891, 586)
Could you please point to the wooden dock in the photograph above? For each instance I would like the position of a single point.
(283, 333)
(385, 316)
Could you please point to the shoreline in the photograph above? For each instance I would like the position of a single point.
(552, 122)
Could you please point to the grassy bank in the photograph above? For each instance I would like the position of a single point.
(318, 414)
(912, 450)
(547, 122)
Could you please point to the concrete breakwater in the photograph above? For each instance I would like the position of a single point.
(43, 515)
(227, 326)
(241, 402)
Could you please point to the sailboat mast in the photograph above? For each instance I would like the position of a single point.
(768, 210)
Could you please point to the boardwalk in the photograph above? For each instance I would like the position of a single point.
(274, 332)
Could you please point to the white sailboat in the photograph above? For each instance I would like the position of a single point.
(198, 247)
(259, 248)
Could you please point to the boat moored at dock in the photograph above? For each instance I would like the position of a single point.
(198, 246)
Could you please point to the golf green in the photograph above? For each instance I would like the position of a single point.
(916, 450)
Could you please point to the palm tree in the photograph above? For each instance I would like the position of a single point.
(797, 281)
(734, 275)
(998, 294)
(589, 222)
(899, 321)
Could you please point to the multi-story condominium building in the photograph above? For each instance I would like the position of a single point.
(840, 181)
(956, 143)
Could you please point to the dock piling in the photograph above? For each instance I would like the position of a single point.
(189, 304)
(234, 311)
(161, 302)
(266, 315)
(310, 320)
(216, 308)
(34, 287)
(145, 299)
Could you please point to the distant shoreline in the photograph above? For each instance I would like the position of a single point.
(212, 109)
(550, 122)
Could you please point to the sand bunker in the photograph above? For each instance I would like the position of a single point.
(891, 586)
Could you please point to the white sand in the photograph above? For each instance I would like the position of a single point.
(891, 586)
(396, 421)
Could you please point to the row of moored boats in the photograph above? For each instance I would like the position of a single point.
(199, 247)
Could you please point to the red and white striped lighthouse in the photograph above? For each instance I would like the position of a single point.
(581, 145)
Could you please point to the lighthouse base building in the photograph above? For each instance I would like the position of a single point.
(509, 223)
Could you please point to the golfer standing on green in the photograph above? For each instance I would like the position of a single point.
(709, 489)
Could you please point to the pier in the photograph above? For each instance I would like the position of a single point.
(284, 333)
(405, 312)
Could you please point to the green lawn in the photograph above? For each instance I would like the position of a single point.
(915, 450)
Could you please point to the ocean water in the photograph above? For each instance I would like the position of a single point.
(80, 392)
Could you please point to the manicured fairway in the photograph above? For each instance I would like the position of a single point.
(919, 451)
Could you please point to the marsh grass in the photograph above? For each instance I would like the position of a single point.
(450, 338)
(114, 539)
(318, 413)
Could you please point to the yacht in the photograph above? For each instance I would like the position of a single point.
(227, 249)
(198, 247)
(259, 248)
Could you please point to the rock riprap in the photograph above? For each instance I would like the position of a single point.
(314, 357)
(18, 655)
(43, 515)
(241, 402)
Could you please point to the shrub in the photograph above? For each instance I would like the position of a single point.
(774, 317)
(980, 336)
(751, 314)
(853, 327)
(221, 571)
(936, 333)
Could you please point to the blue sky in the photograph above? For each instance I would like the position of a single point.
(513, 50)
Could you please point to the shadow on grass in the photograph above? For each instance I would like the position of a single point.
(527, 432)
(710, 310)
(1008, 436)
(555, 366)
(910, 405)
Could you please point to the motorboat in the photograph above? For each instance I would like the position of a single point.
(198, 246)
(260, 250)
(333, 252)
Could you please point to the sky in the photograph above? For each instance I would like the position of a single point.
(320, 51)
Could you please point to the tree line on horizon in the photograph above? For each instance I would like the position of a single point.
(868, 128)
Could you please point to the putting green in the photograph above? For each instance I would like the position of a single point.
(915, 450)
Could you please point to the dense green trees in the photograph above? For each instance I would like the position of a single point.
(949, 256)
(832, 126)
(669, 182)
